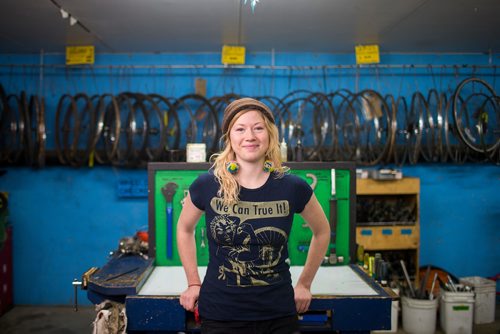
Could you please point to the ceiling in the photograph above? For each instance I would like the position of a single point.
(323, 26)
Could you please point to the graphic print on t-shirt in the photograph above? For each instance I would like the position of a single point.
(250, 254)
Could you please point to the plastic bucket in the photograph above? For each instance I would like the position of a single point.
(419, 315)
(456, 312)
(485, 290)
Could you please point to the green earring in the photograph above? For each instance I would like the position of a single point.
(232, 167)
(268, 166)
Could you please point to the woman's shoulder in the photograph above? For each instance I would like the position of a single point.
(205, 183)
(206, 177)
(296, 188)
(290, 176)
(293, 179)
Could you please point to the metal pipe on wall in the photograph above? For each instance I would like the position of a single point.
(268, 67)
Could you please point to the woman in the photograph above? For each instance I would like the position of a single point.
(249, 201)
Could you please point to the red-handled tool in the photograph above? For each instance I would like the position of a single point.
(197, 315)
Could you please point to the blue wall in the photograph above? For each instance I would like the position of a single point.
(67, 220)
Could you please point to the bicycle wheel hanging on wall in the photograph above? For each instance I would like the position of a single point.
(374, 127)
(430, 137)
(219, 104)
(200, 121)
(456, 150)
(477, 115)
(415, 125)
(37, 133)
(171, 127)
(137, 125)
(107, 132)
(66, 105)
(78, 149)
(392, 153)
(13, 129)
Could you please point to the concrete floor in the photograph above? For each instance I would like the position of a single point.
(64, 320)
(47, 320)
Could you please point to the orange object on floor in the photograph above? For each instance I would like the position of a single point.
(442, 275)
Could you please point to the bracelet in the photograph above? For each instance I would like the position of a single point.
(194, 284)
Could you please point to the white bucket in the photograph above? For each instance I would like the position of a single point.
(196, 152)
(419, 315)
(485, 289)
(456, 311)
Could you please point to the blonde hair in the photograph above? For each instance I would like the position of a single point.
(229, 188)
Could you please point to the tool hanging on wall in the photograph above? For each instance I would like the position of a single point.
(168, 191)
(202, 243)
(332, 258)
(185, 194)
(314, 180)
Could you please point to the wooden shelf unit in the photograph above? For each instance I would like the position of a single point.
(390, 236)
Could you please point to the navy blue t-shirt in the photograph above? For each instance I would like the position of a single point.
(247, 277)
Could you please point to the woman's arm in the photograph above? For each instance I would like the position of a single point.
(186, 246)
(314, 215)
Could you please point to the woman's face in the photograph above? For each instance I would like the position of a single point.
(249, 137)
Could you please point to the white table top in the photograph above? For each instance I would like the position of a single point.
(329, 281)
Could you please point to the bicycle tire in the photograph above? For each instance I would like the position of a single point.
(415, 123)
(59, 130)
(429, 149)
(171, 123)
(84, 131)
(378, 141)
(455, 148)
(17, 129)
(28, 143)
(480, 136)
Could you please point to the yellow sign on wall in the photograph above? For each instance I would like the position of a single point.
(78, 55)
(367, 54)
(233, 55)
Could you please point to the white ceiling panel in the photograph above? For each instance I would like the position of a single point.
(333, 26)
